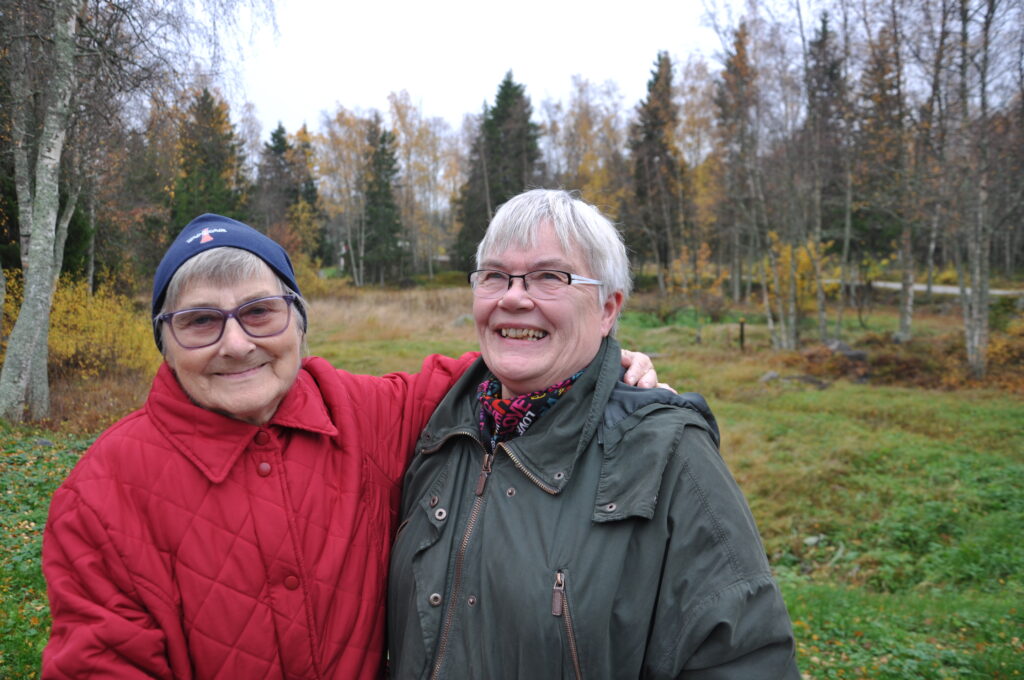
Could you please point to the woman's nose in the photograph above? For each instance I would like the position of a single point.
(235, 338)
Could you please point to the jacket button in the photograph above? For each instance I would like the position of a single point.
(471, 600)
(440, 514)
(510, 491)
(261, 437)
(434, 500)
(263, 469)
(291, 582)
(434, 599)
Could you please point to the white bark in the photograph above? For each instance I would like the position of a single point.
(39, 198)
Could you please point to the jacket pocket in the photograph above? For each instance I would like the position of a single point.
(560, 608)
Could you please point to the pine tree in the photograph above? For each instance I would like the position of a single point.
(502, 163)
(384, 253)
(209, 164)
(658, 188)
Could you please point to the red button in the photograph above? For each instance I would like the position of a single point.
(262, 437)
(291, 582)
(263, 469)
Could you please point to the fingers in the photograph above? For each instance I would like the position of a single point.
(639, 369)
(648, 379)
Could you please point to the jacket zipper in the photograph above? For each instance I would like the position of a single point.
(529, 475)
(460, 557)
(560, 608)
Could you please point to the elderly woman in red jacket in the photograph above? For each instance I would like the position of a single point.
(239, 524)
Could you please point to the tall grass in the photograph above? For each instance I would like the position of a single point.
(892, 515)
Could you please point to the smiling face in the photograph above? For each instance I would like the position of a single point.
(239, 376)
(530, 344)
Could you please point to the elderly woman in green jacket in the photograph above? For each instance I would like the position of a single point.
(557, 523)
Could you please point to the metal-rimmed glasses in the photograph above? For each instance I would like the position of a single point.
(203, 326)
(542, 284)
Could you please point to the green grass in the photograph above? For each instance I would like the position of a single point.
(893, 516)
(847, 632)
(32, 464)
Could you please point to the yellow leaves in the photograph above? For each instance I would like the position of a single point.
(92, 334)
(793, 265)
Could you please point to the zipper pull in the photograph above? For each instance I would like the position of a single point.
(558, 595)
(485, 472)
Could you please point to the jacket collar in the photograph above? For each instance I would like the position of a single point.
(541, 451)
(214, 442)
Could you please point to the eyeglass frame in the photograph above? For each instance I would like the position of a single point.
(289, 298)
(571, 279)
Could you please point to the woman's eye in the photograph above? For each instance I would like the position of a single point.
(199, 320)
(257, 314)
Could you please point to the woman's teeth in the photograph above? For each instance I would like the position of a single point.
(522, 333)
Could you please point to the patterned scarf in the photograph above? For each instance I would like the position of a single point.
(502, 419)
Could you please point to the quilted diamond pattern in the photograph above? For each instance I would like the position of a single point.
(189, 545)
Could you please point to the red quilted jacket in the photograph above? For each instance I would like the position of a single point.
(186, 544)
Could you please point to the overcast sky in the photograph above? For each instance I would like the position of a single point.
(450, 55)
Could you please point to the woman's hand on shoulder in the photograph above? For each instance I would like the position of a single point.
(640, 371)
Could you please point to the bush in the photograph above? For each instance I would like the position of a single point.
(92, 333)
(1001, 312)
(307, 275)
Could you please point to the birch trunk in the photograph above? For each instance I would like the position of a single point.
(907, 286)
(39, 204)
(845, 283)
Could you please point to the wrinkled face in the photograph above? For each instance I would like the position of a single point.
(239, 376)
(530, 344)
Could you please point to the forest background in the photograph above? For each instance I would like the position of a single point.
(767, 196)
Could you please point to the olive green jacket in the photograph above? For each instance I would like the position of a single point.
(608, 541)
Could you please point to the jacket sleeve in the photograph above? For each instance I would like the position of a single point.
(407, 403)
(99, 628)
(720, 613)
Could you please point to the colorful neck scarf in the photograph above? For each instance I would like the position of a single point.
(502, 419)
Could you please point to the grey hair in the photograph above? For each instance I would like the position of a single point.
(222, 267)
(579, 226)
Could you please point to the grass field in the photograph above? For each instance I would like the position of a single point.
(893, 515)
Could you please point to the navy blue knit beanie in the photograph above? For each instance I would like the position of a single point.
(216, 231)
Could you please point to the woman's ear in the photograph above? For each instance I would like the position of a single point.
(610, 312)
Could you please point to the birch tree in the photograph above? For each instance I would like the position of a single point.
(341, 149)
(38, 136)
(66, 60)
(988, 64)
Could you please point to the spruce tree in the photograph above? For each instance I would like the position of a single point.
(209, 164)
(502, 163)
(277, 186)
(383, 253)
(658, 190)
(736, 97)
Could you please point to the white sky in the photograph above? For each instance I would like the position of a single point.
(450, 55)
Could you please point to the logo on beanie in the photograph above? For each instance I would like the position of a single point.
(205, 236)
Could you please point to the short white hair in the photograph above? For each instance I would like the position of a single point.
(579, 227)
